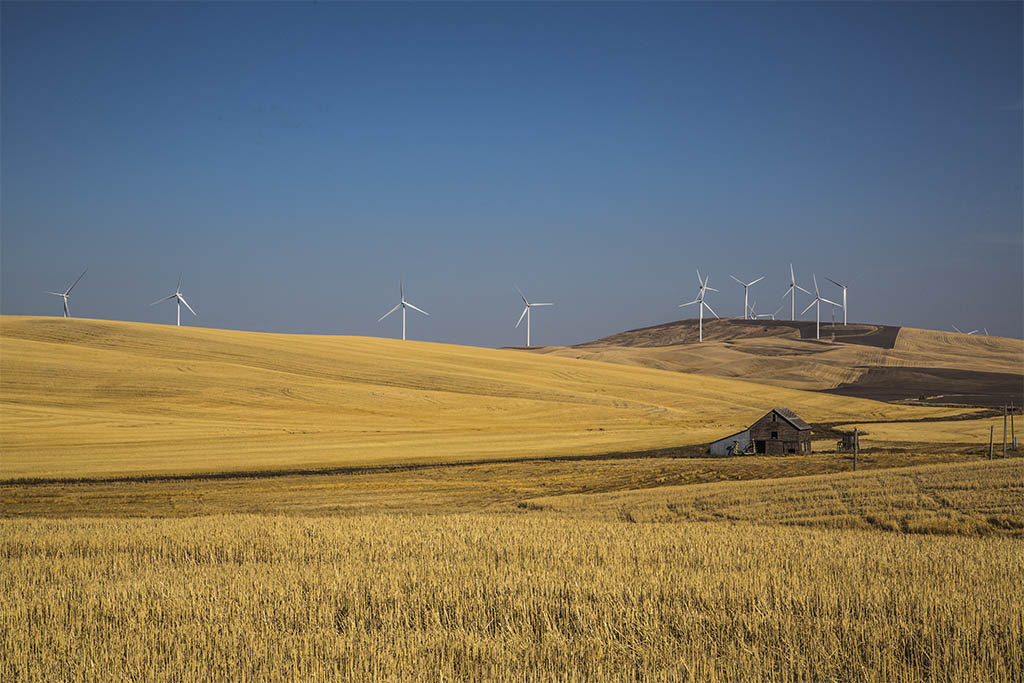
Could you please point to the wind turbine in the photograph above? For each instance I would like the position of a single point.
(817, 300)
(770, 315)
(179, 299)
(746, 287)
(971, 332)
(842, 287)
(67, 293)
(403, 304)
(526, 312)
(791, 292)
(700, 300)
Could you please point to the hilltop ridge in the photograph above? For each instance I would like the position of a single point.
(896, 364)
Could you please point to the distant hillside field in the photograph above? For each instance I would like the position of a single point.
(100, 398)
(866, 361)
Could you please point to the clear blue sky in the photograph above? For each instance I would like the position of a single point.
(298, 159)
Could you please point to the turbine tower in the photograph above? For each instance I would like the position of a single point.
(179, 299)
(817, 301)
(66, 293)
(403, 304)
(842, 287)
(791, 292)
(746, 288)
(526, 313)
(700, 300)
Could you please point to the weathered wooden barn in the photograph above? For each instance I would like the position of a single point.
(779, 432)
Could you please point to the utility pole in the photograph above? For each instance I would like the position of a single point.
(991, 429)
(1013, 434)
(856, 447)
(1004, 430)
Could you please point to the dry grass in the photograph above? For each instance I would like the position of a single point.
(436, 489)
(981, 497)
(529, 596)
(93, 398)
(954, 431)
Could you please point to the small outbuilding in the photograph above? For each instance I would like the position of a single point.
(734, 444)
(779, 432)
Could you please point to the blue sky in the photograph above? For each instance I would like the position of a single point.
(297, 159)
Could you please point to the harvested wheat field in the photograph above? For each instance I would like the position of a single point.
(530, 593)
(86, 398)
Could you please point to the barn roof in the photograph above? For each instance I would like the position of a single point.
(792, 418)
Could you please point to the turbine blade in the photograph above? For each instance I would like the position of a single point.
(76, 281)
(397, 306)
(182, 299)
(835, 283)
(690, 303)
(828, 301)
(738, 280)
(522, 316)
(792, 275)
(158, 301)
(542, 304)
(801, 289)
(179, 282)
(711, 309)
(809, 306)
(958, 329)
(710, 289)
(55, 293)
(815, 278)
(756, 281)
(521, 295)
(416, 309)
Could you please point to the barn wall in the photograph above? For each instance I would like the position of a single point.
(787, 436)
(721, 447)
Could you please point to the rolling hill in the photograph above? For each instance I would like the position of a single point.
(867, 361)
(92, 398)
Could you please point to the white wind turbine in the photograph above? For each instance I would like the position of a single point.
(179, 300)
(791, 292)
(403, 304)
(701, 303)
(769, 315)
(66, 293)
(526, 312)
(842, 287)
(818, 298)
(746, 288)
(971, 332)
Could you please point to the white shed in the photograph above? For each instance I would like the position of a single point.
(732, 444)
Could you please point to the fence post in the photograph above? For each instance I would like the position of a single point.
(991, 429)
(856, 447)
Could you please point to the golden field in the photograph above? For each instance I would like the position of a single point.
(526, 593)
(98, 398)
(190, 504)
